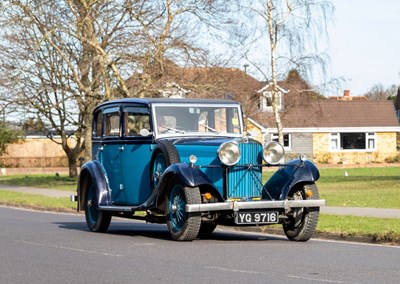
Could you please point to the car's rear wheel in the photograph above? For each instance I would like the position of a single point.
(96, 219)
(302, 222)
(164, 155)
(182, 226)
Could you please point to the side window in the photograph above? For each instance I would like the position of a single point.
(136, 122)
(97, 125)
(136, 119)
(112, 125)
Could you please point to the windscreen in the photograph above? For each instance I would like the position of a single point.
(170, 120)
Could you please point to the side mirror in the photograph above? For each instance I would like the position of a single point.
(145, 132)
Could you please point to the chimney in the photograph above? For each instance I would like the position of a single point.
(346, 93)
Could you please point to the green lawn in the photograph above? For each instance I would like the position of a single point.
(362, 187)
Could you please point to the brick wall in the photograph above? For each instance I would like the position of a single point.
(34, 152)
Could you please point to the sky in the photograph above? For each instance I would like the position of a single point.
(364, 44)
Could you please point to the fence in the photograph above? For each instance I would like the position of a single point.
(33, 162)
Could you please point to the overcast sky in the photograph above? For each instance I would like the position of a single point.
(364, 43)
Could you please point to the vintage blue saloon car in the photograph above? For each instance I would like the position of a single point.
(189, 163)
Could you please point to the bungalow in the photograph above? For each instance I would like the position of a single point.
(341, 130)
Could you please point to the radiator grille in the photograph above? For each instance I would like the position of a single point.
(244, 179)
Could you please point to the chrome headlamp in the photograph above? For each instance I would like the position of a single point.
(229, 153)
(273, 153)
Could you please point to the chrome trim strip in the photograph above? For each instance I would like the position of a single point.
(240, 205)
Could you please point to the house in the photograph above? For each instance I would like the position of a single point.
(341, 130)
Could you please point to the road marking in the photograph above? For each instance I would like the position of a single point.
(69, 248)
(237, 270)
(274, 274)
(319, 279)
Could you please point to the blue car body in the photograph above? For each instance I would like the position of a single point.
(136, 169)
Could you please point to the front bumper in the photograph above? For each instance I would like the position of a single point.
(248, 205)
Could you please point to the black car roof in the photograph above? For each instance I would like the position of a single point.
(149, 101)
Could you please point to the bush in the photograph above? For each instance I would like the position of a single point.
(7, 136)
(394, 159)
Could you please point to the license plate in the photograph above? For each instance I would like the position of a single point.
(270, 217)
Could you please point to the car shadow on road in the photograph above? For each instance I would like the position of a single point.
(160, 231)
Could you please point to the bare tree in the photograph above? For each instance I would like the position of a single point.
(290, 32)
(62, 58)
(379, 93)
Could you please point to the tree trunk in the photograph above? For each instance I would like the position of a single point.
(273, 37)
(88, 137)
(72, 167)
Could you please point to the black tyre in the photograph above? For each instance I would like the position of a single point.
(182, 226)
(206, 229)
(302, 222)
(164, 155)
(96, 219)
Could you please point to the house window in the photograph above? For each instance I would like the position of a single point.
(335, 145)
(371, 138)
(353, 141)
(287, 144)
(266, 101)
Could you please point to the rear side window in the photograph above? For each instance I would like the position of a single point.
(112, 123)
(98, 124)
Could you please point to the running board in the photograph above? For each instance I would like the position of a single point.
(120, 208)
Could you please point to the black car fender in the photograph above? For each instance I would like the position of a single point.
(184, 173)
(93, 172)
(287, 177)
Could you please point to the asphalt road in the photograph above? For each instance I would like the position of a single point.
(40, 247)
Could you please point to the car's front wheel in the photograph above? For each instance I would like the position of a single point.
(96, 219)
(182, 226)
(302, 222)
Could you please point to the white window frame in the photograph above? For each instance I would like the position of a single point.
(370, 137)
(264, 101)
(274, 137)
(335, 142)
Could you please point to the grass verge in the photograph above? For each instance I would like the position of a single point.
(41, 181)
(378, 230)
(350, 228)
(35, 201)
